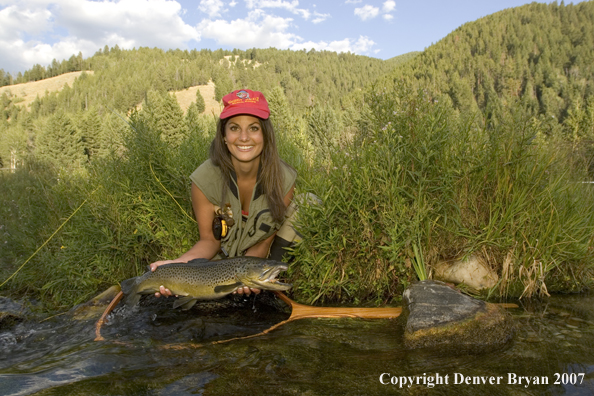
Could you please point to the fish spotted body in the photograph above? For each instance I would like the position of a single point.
(201, 279)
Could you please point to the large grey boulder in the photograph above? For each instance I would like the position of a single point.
(440, 316)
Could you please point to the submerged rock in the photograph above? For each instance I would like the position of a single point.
(441, 316)
(9, 319)
(11, 313)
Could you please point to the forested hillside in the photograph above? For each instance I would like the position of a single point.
(123, 76)
(481, 145)
(122, 79)
(539, 55)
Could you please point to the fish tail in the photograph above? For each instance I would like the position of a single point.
(130, 289)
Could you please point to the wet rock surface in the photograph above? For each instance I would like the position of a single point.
(433, 303)
(441, 316)
(11, 313)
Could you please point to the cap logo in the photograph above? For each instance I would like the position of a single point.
(244, 101)
(243, 95)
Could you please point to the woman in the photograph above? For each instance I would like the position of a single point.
(244, 183)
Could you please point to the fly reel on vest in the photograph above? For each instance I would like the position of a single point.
(222, 222)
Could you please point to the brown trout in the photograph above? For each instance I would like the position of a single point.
(202, 279)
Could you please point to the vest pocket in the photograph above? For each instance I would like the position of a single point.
(265, 227)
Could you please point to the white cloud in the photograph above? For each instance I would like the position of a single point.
(14, 19)
(257, 30)
(211, 7)
(136, 22)
(38, 31)
(362, 46)
(352, 1)
(367, 12)
(389, 6)
(319, 17)
(262, 30)
(289, 6)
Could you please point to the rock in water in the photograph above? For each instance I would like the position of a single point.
(441, 316)
(11, 313)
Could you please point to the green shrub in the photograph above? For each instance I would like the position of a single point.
(424, 181)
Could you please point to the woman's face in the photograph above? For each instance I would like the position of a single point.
(244, 137)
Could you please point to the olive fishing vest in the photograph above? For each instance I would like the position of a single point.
(259, 224)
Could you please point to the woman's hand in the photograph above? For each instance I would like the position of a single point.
(258, 250)
(163, 291)
(247, 291)
(162, 262)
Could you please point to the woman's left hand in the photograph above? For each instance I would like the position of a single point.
(246, 291)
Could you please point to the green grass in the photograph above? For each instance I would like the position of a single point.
(422, 183)
(416, 184)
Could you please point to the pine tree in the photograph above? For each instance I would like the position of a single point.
(60, 142)
(324, 128)
(152, 108)
(200, 105)
(223, 85)
(92, 134)
(280, 113)
(13, 146)
(192, 118)
(170, 121)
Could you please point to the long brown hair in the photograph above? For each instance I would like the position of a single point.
(270, 176)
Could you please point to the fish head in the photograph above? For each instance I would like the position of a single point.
(262, 275)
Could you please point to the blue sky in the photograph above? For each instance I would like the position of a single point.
(37, 31)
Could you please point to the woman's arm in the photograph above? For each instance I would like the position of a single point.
(207, 247)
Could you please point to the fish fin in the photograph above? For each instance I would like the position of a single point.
(198, 261)
(130, 289)
(128, 285)
(227, 288)
(132, 300)
(185, 303)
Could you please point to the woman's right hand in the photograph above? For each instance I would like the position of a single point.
(162, 262)
(163, 291)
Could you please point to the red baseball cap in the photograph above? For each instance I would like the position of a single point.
(245, 101)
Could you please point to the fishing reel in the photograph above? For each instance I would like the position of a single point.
(222, 222)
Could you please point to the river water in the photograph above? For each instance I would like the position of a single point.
(154, 350)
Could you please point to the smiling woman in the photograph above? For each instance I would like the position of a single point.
(244, 139)
(242, 193)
